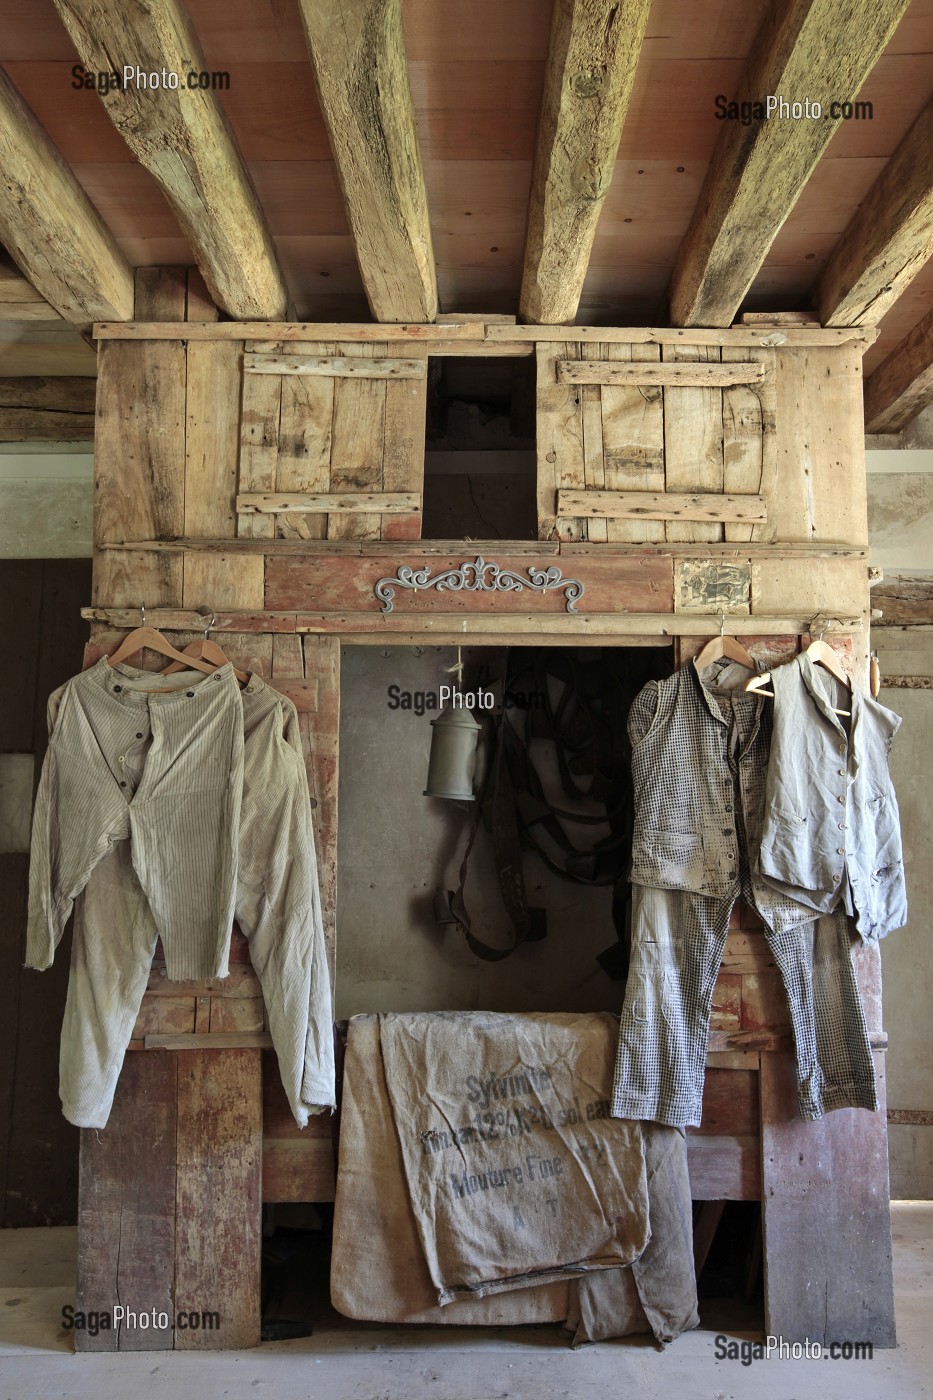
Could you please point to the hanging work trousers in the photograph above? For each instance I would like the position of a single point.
(276, 903)
(699, 760)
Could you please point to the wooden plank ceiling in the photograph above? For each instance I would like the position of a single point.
(374, 159)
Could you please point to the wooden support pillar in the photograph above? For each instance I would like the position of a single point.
(826, 1216)
(169, 1205)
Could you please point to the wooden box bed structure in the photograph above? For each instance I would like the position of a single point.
(273, 473)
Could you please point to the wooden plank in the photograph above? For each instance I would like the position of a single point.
(331, 585)
(693, 442)
(211, 469)
(321, 732)
(218, 1184)
(199, 305)
(730, 1103)
(633, 441)
(700, 376)
(182, 137)
(478, 333)
(126, 1209)
(759, 170)
(304, 449)
(297, 1164)
(357, 51)
(888, 239)
(724, 1168)
(661, 505)
(403, 448)
(820, 447)
(561, 461)
(594, 463)
(902, 385)
(297, 1171)
(826, 1183)
(259, 445)
(357, 448)
(51, 228)
(823, 584)
(40, 409)
(272, 502)
(376, 627)
(139, 468)
(209, 1040)
(904, 602)
(335, 366)
(592, 56)
(749, 450)
(673, 549)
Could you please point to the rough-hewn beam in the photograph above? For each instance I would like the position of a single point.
(358, 53)
(50, 227)
(182, 138)
(56, 409)
(888, 239)
(590, 68)
(902, 385)
(816, 51)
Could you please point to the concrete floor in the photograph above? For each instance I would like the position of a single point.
(347, 1361)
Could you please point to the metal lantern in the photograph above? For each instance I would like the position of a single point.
(452, 765)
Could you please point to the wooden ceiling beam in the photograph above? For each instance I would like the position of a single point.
(807, 51)
(591, 64)
(902, 385)
(889, 238)
(358, 54)
(49, 226)
(182, 138)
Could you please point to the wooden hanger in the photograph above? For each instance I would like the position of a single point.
(206, 650)
(144, 636)
(821, 654)
(724, 646)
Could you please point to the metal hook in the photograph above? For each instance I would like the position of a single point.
(142, 613)
(209, 625)
(722, 623)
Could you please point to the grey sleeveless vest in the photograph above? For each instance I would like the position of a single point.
(692, 765)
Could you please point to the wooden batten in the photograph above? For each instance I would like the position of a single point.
(183, 139)
(699, 376)
(51, 229)
(485, 336)
(592, 57)
(360, 67)
(335, 366)
(889, 238)
(758, 171)
(661, 505)
(385, 502)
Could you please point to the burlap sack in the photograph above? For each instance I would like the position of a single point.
(378, 1269)
(659, 1292)
(516, 1173)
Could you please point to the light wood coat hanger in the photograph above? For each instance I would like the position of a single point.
(821, 654)
(144, 636)
(724, 646)
(206, 650)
